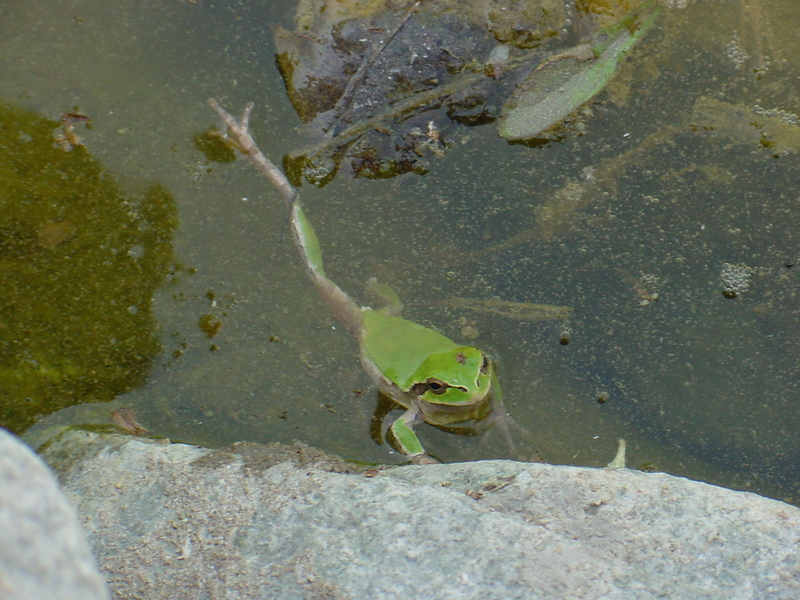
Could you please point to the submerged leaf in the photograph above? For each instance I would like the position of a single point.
(561, 84)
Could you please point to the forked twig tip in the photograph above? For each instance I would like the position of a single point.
(239, 136)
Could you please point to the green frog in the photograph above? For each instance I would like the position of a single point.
(437, 380)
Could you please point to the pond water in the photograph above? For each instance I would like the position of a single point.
(668, 226)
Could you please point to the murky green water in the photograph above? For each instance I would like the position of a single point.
(682, 191)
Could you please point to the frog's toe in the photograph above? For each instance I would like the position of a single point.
(530, 454)
(424, 459)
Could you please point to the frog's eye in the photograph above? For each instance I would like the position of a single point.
(437, 386)
(485, 364)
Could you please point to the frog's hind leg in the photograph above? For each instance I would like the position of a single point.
(381, 417)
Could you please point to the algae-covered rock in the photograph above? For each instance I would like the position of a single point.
(384, 86)
(524, 23)
(417, 46)
(79, 261)
(382, 83)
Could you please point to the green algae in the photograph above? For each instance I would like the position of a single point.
(79, 262)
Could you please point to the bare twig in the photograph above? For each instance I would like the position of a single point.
(239, 133)
(342, 306)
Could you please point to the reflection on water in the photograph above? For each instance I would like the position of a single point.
(667, 227)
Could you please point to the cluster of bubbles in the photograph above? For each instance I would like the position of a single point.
(318, 170)
(735, 279)
(783, 115)
(735, 53)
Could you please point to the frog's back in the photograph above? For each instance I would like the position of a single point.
(398, 346)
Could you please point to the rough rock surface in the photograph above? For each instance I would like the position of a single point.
(174, 521)
(43, 552)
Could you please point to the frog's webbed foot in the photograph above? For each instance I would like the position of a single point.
(505, 423)
(424, 459)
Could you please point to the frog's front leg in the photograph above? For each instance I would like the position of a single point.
(406, 441)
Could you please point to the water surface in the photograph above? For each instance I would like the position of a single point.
(668, 227)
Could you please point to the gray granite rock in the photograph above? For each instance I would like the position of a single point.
(43, 552)
(174, 521)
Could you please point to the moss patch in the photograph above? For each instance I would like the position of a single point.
(79, 262)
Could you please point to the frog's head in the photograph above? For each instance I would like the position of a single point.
(458, 377)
